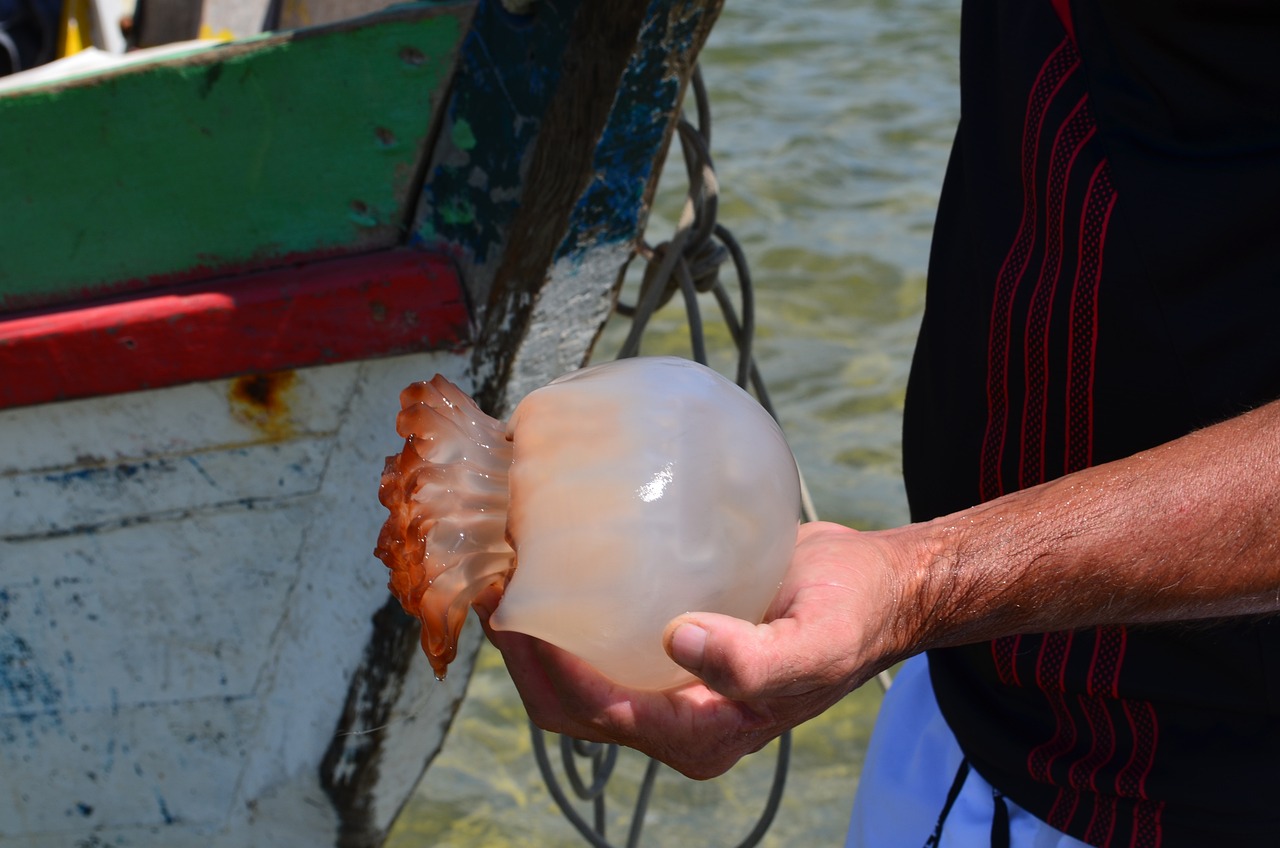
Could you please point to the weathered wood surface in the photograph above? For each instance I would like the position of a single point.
(232, 158)
(186, 591)
(552, 143)
(545, 169)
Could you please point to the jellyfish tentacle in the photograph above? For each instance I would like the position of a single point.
(445, 539)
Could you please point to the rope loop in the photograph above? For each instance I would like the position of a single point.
(689, 262)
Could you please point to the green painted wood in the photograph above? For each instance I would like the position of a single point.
(232, 158)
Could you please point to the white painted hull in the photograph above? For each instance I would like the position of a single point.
(187, 590)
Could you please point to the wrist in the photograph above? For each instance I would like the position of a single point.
(954, 584)
(917, 577)
(925, 578)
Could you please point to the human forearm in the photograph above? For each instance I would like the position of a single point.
(1188, 530)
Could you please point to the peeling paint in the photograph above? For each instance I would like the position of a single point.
(253, 123)
(243, 533)
(506, 76)
(462, 135)
(648, 100)
(27, 687)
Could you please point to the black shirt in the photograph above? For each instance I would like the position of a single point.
(1105, 277)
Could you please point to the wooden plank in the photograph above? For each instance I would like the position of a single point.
(158, 22)
(611, 208)
(88, 498)
(236, 157)
(172, 667)
(156, 425)
(305, 13)
(509, 69)
(548, 158)
(535, 117)
(556, 128)
(352, 308)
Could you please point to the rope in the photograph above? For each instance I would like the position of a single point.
(690, 263)
(602, 760)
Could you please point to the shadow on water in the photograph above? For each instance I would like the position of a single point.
(832, 123)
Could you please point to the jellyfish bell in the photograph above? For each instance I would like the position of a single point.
(616, 498)
(643, 489)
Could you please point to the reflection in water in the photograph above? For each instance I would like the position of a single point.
(832, 123)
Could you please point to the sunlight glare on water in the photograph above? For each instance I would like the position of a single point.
(832, 123)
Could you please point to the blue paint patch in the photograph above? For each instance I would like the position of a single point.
(106, 476)
(624, 161)
(200, 470)
(164, 810)
(24, 684)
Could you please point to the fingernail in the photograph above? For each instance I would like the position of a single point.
(688, 643)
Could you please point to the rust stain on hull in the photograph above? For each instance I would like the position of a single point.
(262, 401)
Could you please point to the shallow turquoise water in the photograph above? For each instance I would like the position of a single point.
(832, 123)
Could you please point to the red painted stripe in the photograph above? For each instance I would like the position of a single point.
(352, 308)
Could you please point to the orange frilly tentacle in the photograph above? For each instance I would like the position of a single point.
(445, 539)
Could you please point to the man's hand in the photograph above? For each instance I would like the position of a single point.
(827, 632)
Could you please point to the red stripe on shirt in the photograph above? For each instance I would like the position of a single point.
(1062, 62)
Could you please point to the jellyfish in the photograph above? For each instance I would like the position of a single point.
(616, 497)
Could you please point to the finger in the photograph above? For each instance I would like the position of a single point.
(726, 653)
(528, 662)
(692, 729)
(748, 662)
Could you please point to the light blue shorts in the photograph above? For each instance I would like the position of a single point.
(911, 767)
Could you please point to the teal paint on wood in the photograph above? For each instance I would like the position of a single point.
(508, 70)
(241, 156)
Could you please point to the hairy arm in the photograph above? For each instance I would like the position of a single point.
(1189, 530)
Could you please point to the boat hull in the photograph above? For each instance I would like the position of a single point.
(187, 592)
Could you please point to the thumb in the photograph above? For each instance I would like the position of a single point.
(736, 658)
